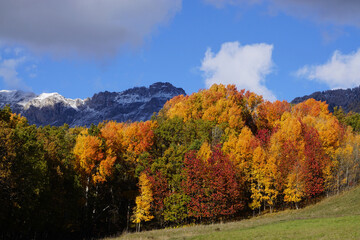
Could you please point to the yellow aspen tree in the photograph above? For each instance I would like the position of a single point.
(240, 149)
(257, 177)
(286, 149)
(88, 154)
(292, 157)
(142, 210)
(270, 191)
(294, 191)
(263, 179)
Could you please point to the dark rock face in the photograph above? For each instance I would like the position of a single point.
(348, 99)
(56, 115)
(136, 104)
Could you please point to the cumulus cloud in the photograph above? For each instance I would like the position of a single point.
(341, 71)
(342, 12)
(245, 66)
(85, 27)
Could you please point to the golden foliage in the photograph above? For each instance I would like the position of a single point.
(142, 211)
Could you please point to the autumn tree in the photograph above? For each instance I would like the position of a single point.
(315, 161)
(240, 150)
(263, 180)
(220, 104)
(212, 186)
(142, 211)
(160, 192)
(269, 113)
(257, 178)
(89, 154)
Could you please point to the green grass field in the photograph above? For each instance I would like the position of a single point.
(336, 217)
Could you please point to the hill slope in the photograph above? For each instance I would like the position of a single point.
(348, 99)
(335, 217)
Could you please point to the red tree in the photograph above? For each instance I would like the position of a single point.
(160, 191)
(264, 136)
(315, 160)
(211, 185)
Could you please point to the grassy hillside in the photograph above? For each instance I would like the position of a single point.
(336, 217)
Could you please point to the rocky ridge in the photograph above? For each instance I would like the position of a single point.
(348, 99)
(135, 104)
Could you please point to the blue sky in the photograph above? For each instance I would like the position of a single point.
(280, 49)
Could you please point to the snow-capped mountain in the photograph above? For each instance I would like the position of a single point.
(15, 97)
(50, 99)
(135, 104)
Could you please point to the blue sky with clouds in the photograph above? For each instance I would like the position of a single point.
(278, 48)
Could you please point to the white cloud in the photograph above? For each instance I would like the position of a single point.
(9, 74)
(341, 71)
(245, 66)
(9, 68)
(342, 12)
(94, 28)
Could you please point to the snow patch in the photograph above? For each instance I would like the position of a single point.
(50, 99)
(7, 91)
(14, 97)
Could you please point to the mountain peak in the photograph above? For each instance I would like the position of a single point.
(161, 84)
(135, 104)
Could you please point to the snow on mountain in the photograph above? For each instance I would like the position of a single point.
(143, 94)
(14, 97)
(50, 99)
(135, 104)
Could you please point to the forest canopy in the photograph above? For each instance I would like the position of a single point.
(215, 155)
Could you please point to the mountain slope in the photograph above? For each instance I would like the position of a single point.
(348, 99)
(135, 104)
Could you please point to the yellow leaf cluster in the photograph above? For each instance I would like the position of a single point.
(142, 211)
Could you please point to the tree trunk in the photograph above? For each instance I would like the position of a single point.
(138, 227)
(87, 200)
(87, 191)
(128, 217)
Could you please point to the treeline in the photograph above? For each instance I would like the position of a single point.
(215, 155)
